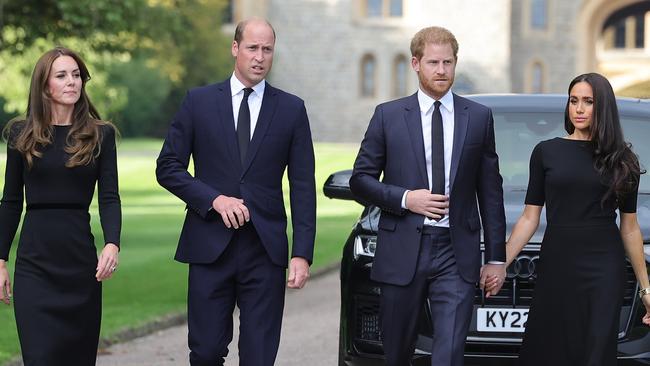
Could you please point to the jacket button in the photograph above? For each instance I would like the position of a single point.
(419, 230)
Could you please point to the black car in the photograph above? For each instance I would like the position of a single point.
(498, 322)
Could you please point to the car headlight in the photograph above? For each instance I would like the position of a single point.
(365, 245)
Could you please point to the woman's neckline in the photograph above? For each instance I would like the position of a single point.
(569, 139)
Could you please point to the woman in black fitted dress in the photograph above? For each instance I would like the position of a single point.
(582, 179)
(56, 155)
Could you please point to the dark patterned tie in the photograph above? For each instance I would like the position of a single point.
(244, 125)
(437, 153)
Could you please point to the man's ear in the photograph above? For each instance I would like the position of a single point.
(234, 49)
(415, 64)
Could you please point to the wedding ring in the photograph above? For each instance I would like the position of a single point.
(113, 268)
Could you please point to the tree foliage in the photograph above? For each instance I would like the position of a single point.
(142, 54)
(32, 20)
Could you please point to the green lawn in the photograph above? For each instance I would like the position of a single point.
(149, 283)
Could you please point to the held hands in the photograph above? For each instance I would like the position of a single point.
(492, 278)
(107, 262)
(5, 283)
(298, 273)
(232, 210)
(423, 202)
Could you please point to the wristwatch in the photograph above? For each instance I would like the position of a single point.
(643, 292)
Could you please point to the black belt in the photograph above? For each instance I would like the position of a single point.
(435, 230)
(56, 206)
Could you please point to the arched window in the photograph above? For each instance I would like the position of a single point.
(368, 75)
(396, 8)
(374, 8)
(539, 14)
(384, 8)
(400, 73)
(537, 78)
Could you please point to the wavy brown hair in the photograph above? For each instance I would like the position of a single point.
(435, 35)
(613, 158)
(28, 135)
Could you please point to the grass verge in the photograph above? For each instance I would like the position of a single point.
(149, 284)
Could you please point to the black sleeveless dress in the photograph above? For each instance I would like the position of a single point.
(57, 299)
(574, 316)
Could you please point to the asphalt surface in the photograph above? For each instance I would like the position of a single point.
(309, 333)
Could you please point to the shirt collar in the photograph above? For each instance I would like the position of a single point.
(236, 86)
(426, 102)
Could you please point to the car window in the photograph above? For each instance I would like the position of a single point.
(516, 136)
(637, 132)
(518, 133)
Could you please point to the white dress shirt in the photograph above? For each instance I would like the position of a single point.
(254, 100)
(447, 112)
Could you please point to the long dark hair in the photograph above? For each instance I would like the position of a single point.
(35, 130)
(613, 158)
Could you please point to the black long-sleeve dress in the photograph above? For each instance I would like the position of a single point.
(57, 299)
(574, 316)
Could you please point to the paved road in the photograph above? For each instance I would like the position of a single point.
(309, 334)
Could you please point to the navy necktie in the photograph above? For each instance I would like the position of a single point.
(244, 125)
(437, 152)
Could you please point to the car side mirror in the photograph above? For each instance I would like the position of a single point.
(338, 186)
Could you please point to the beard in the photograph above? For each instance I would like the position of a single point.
(437, 89)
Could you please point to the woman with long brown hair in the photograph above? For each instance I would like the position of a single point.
(583, 179)
(56, 155)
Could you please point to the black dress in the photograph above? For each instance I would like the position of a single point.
(574, 316)
(57, 299)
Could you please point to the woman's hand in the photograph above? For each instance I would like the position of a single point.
(646, 302)
(5, 283)
(107, 262)
(491, 285)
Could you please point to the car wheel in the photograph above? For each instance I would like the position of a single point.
(341, 349)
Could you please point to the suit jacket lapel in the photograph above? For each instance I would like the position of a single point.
(461, 120)
(267, 110)
(227, 120)
(414, 126)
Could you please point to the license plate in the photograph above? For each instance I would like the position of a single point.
(501, 320)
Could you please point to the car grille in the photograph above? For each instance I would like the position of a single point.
(630, 285)
(518, 288)
(366, 315)
(516, 291)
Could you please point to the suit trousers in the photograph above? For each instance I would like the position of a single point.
(245, 276)
(450, 300)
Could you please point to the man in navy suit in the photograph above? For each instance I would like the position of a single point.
(241, 134)
(440, 184)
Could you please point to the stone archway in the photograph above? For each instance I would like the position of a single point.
(623, 68)
(591, 18)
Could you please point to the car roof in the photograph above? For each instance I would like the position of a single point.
(552, 103)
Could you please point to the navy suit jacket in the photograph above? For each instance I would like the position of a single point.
(393, 145)
(204, 129)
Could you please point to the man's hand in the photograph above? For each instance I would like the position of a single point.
(423, 202)
(492, 278)
(232, 211)
(298, 272)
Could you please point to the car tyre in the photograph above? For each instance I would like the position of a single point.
(341, 349)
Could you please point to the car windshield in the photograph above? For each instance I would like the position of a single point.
(518, 133)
